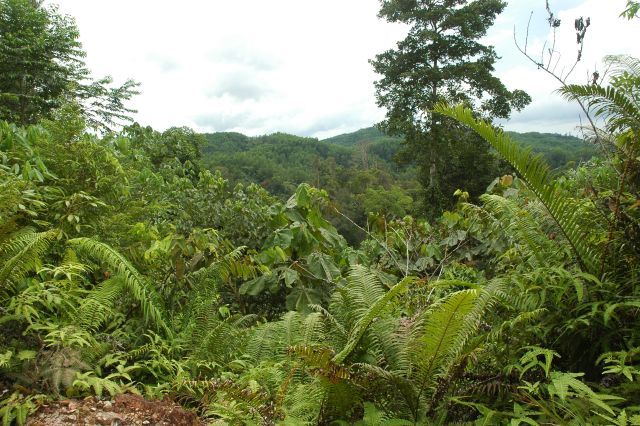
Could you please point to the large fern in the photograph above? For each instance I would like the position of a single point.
(520, 225)
(360, 273)
(99, 305)
(133, 281)
(23, 253)
(537, 175)
(439, 340)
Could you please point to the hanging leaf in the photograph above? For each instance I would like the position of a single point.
(301, 297)
(322, 266)
(289, 276)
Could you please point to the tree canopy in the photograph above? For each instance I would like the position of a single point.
(441, 58)
(42, 68)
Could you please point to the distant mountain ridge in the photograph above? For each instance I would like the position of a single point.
(359, 178)
(257, 157)
(557, 149)
(366, 134)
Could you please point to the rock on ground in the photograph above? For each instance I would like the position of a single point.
(123, 410)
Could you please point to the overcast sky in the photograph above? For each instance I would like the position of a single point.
(301, 66)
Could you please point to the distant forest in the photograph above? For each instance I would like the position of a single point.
(361, 170)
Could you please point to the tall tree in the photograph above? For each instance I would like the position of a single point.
(441, 58)
(42, 68)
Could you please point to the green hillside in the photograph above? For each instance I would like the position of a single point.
(357, 169)
(558, 150)
(360, 178)
(367, 134)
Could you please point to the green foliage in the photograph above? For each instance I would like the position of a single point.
(536, 173)
(558, 397)
(127, 266)
(16, 408)
(22, 254)
(358, 169)
(441, 58)
(631, 10)
(364, 322)
(280, 163)
(131, 279)
(35, 81)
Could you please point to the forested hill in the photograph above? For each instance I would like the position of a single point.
(558, 150)
(281, 161)
(363, 135)
(360, 178)
(357, 169)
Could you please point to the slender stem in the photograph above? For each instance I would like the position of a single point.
(616, 206)
(562, 80)
(369, 234)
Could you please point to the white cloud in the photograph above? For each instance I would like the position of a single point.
(246, 65)
(299, 66)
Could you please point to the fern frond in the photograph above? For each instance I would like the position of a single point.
(520, 320)
(623, 64)
(442, 335)
(321, 360)
(621, 112)
(513, 221)
(536, 174)
(256, 400)
(23, 253)
(97, 308)
(391, 341)
(313, 329)
(217, 340)
(303, 404)
(331, 318)
(486, 298)
(271, 341)
(361, 274)
(263, 342)
(133, 280)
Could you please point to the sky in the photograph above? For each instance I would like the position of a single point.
(301, 66)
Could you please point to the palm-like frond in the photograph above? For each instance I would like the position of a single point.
(620, 111)
(134, 282)
(619, 103)
(536, 174)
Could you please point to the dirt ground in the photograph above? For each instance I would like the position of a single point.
(123, 410)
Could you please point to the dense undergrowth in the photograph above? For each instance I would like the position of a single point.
(128, 267)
